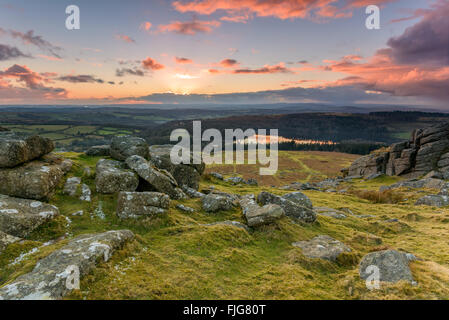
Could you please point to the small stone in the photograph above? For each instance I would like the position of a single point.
(322, 247)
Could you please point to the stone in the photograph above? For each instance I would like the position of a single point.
(33, 180)
(184, 174)
(235, 180)
(111, 176)
(369, 164)
(99, 151)
(192, 193)
(322, 247)
(140, 204)
(85, 193)
(252, 182)
(214, 202)
(216, 175)
(6, 240)
(433, 175)
(433, 200)
(257, 216)
(49, 278)
(428, 183)
(71, 186)
(185, 208)
(393, 265)
(329, 212)
(156, 179)
(123, 147)
(78, 213)
(19, 217)
(291, 209)
(299, 198)
(16, 149)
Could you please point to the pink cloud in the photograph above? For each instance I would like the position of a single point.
(181, 60)
(151, 64)
(125, 38)
(189, 27)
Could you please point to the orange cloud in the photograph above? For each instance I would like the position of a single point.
(282, 9)
(125, 38)
(146, 25)
(189, 27)
(181, 60)
(151, 64)
(279, 68)
(227, 63)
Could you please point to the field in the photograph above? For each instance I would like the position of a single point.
(175, 256)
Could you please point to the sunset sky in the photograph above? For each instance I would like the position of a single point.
(224, 51)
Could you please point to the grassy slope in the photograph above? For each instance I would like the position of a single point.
(174, 257)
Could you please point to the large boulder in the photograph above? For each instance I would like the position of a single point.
(215, 202)
(56, 275)
(428, 183)
(299, 198)
(256, 215)
(33, 180)
(140, 204)
(19, 217)
(123, 147)
(435, 200)
(393, 265)
(111, 176)
(369, 164)
(291, 209)
(155, 179)
(322, 247)
(99, 151)
(185, 174)
(17, 149)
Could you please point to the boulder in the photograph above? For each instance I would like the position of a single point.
(291, 209)
(214, 202)
(111, 176)
(155, 179)
(56, 275)
(428, 183)
(252, 182)
(19, 217)
(433, 200)
(140, 204)
(192, 193)
(299, 198)
(256, 215)
(85, 193)
(185, 174)
(235, 180)
(17, 149)
(322, 247)
(33, 180)
(235, 224)
(217, 175)
(369, 164)
(329, 212)
(6, 239)
(99, 151)
(393, 265)
(185, 208)
(123, 147)
(71, 186)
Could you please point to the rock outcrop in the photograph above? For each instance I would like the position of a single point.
(140, 204)
(256, 215)
(6, 239)
(322, 247)
(123, 147)
(33, 180)
(59, 273)
(214, 202)
(291, 209)
(155, 179)
(99, 151)
(19, 217)
(16, 149)
(112, 177)
(427, 150)
(185, 174)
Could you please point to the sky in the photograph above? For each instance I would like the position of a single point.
(224, 52)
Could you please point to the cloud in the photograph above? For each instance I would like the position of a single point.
(127, 71)
(30, 38)
(49, 58)
(8, 52)
(80, 79)
(125, 38)
(146, 26)
(282, 9)
(426, 42)
(181, 60)
(33, 85)
(189, 27)
(279, 68)
(227, 63)
(151, 64)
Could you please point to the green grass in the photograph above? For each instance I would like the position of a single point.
(175, 257)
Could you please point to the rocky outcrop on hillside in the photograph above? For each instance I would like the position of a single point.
(427, 150)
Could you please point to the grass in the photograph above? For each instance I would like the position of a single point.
(175, 257)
